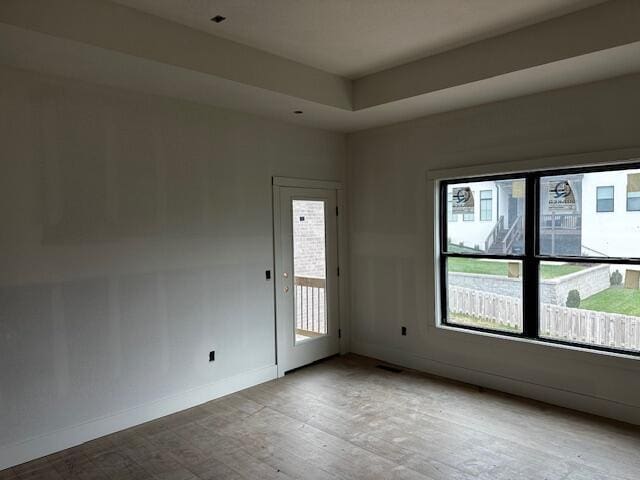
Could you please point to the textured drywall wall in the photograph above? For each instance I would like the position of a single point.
(136, 232)
(392, 240)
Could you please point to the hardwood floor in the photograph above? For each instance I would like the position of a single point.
(346, 419)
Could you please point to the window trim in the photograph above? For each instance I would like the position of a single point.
(531, 257)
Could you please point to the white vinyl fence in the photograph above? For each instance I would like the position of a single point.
(501, 310)
(611, 330)
(556, 322)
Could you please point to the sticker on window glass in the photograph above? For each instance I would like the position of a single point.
(633, 182)
(561, 196)
(517, 188)
(461, 200)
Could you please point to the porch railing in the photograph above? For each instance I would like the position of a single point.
(493, 234)
(562, 221)
(310, 297)
(513, 234)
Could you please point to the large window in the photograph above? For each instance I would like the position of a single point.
(546, 266)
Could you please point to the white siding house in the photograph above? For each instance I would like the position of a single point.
(607, 232)
(496, 222)
(471, 230)
(605, 215)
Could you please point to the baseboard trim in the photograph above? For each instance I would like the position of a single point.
(562, 398)
(42, 445)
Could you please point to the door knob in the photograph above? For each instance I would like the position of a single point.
(285, 275)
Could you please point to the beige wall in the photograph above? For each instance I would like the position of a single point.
(136, 232)
(392, 240)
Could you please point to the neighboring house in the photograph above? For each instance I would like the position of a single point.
(611, 213)
(496, 224)
(605, 212)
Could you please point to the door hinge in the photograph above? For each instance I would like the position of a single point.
(338, 271)
(339, 333)
(336, 211)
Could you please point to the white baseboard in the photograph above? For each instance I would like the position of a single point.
(36, 447)
(563, 398)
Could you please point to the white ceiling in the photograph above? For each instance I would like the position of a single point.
(353, 38)
(66, 58)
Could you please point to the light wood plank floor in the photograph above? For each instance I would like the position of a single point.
(346, 419)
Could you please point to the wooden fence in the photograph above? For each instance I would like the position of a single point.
(575, 325)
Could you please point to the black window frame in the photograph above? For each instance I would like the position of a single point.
(613, 199)
(490, 200)
(531, 257)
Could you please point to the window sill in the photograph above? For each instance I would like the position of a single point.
(539, 342)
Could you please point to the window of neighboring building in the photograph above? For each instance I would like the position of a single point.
(633, 201)
(574, 278)
(604, 199)
(486, 200)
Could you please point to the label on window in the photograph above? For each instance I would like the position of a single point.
(462, 200)
(517, 188)
(633, 182)
(561, 196)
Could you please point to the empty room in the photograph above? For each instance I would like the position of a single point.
(319, 239)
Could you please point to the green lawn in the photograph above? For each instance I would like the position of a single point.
(463, 319)
(614, 300)
(555, 271)
(461, 249)
(468, 265)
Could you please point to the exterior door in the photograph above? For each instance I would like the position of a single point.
(306, 254)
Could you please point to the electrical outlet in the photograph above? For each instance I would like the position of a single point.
(404, 331)
(267, 274)
(212, 355)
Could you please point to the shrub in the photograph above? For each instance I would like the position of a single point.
(616, 278)
(573, 299)
(476, 247)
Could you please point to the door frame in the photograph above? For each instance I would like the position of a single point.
(342, 247)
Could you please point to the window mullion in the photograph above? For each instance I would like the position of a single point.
(531, 269)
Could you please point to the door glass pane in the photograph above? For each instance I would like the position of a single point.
(485, 293)
(593, 304)
(591, 214)
(486, 217)
(309, 269)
